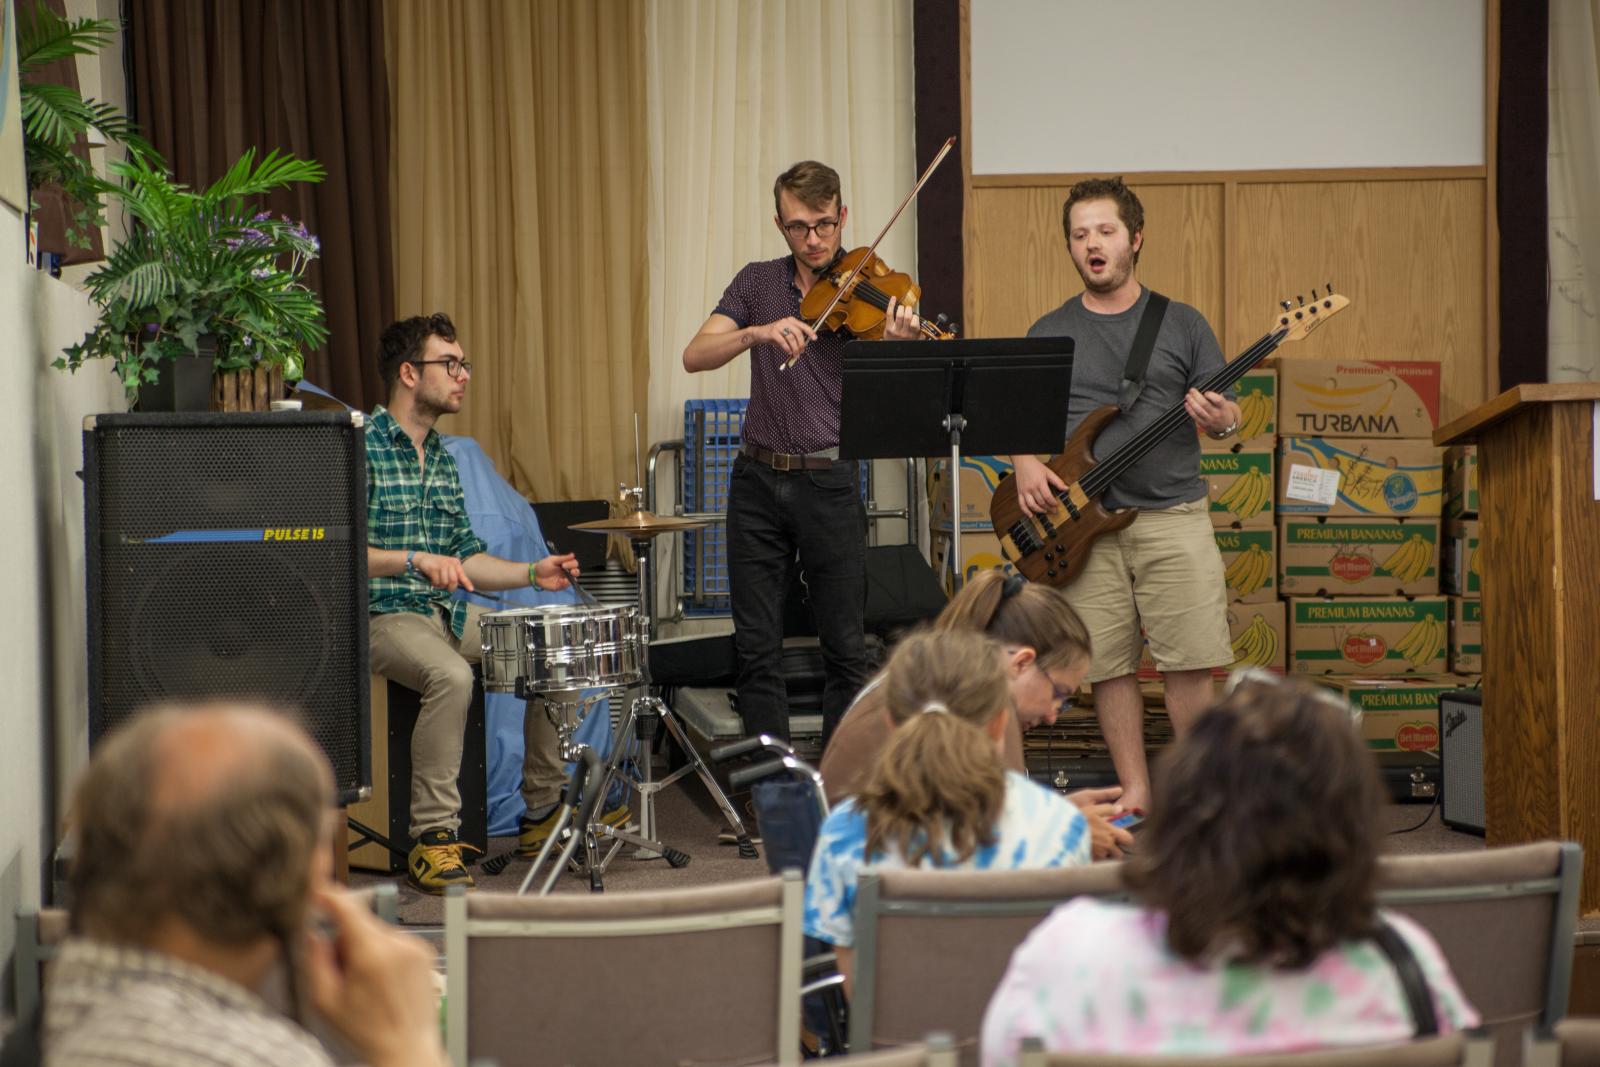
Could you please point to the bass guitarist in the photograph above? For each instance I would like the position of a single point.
(1162, 573)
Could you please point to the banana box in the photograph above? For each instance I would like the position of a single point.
(980, 551)
(979, 476)
(1466, 634)
(1359, 478)
(1398, 714)
(1460, 573)
(1249, 563)
(1239, 483)
(1256, 632)
(1319, 556)
(1461, 482)
(1257, 394)
(1354, 398)
(1368, 635)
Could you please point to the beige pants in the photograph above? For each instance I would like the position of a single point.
(1161, 575)
(421, 653)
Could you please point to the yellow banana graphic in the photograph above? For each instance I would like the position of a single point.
(1255, 412)
(1257, 646)
(1249, 571)
(1420, 644)
(1343, 391)
(1409, 562)
(1248, 495)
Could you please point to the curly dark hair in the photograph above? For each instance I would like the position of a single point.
(1264, 835)
(404, 341)
(1129, 209)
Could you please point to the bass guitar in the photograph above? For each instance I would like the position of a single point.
(1053, 548)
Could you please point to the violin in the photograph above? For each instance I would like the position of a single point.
(853, 294)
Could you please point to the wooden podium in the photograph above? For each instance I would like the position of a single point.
(1539, 539)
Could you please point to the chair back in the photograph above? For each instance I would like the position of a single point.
(40, 932)
(931, 946)
(1449, 1050)
(1505, 919)
(1579, 1040)
(704, 975)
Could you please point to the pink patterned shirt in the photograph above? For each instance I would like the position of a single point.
(1098, 977)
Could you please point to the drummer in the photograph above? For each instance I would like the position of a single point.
(420, 549)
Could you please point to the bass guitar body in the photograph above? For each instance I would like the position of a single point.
(1053, 548)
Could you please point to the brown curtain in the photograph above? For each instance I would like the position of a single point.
(520, 178)
(210, 79)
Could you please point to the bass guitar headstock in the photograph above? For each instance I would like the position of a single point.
(1302, 319)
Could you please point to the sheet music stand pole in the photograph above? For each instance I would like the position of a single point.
(954, 424)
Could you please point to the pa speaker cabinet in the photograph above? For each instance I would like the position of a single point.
(226, 559)
(1461, 760)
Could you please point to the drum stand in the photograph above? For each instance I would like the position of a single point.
(642, 721)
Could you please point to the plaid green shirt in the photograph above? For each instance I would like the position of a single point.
(428, 514)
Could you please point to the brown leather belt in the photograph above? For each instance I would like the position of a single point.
(783, 461)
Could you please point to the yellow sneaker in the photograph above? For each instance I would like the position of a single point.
(531, 833)
(435, 862)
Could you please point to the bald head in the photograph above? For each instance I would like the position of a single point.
(210, 815)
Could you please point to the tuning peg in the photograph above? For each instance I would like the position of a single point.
(1313, 295)
(1285, 304)
(1301, 299)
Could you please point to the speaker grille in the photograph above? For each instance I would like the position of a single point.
(227, 559)
(1461, 758)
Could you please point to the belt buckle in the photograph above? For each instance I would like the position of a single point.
(782, 461)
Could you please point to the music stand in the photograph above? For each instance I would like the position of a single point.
(912, 399)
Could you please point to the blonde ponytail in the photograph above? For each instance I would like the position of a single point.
(1014, 611)
(940, 776)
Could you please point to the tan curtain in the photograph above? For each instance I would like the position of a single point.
(518, 155)
(1574, 188)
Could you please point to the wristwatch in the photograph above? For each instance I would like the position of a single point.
(411, 567)
(1233, 428)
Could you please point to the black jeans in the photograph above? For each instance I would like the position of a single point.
(773, 518)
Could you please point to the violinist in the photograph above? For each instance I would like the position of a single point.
(790, 497)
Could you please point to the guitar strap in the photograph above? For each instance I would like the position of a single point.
(1412, 982)
(1144, 342)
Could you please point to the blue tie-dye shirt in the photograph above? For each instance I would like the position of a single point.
(1038, 828)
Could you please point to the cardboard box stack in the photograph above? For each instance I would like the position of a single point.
(1363, 550)
(980, 548)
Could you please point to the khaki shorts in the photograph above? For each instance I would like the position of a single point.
(1162, 572)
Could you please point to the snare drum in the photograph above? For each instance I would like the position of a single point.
(561, 647)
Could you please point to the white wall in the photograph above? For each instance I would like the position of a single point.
(44, 721)
(1069, 86)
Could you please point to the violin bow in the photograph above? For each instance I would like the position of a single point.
(873, 247)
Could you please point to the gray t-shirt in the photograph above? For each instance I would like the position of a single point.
(1186, 353)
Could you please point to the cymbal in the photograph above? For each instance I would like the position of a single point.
(640, 524)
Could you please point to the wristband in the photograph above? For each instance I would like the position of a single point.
(411, 567)
(533, 575)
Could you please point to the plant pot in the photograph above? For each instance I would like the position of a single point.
(251, 389)
(183, 384)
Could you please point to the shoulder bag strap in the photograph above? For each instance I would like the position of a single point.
(1412, 982)
(1144, 342)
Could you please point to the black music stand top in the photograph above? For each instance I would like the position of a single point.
(1007, 395)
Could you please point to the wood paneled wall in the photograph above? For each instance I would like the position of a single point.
(1407, 246)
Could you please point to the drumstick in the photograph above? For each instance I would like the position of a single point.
(583, 594)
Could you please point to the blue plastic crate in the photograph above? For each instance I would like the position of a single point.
(712, 430)
(712, 433)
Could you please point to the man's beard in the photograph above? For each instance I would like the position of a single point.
(1114, 278)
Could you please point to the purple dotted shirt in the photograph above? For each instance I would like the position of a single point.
(795, 410)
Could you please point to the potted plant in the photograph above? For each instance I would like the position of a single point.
(56, 122)
(206, 275)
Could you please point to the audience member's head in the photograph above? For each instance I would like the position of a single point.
(213, 817)
(945, 692)
(1262, 845)
(1046, 644)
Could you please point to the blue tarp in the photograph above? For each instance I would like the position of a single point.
(501, 516)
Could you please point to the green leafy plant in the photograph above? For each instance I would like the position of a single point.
(204, 264)
(55, 116)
